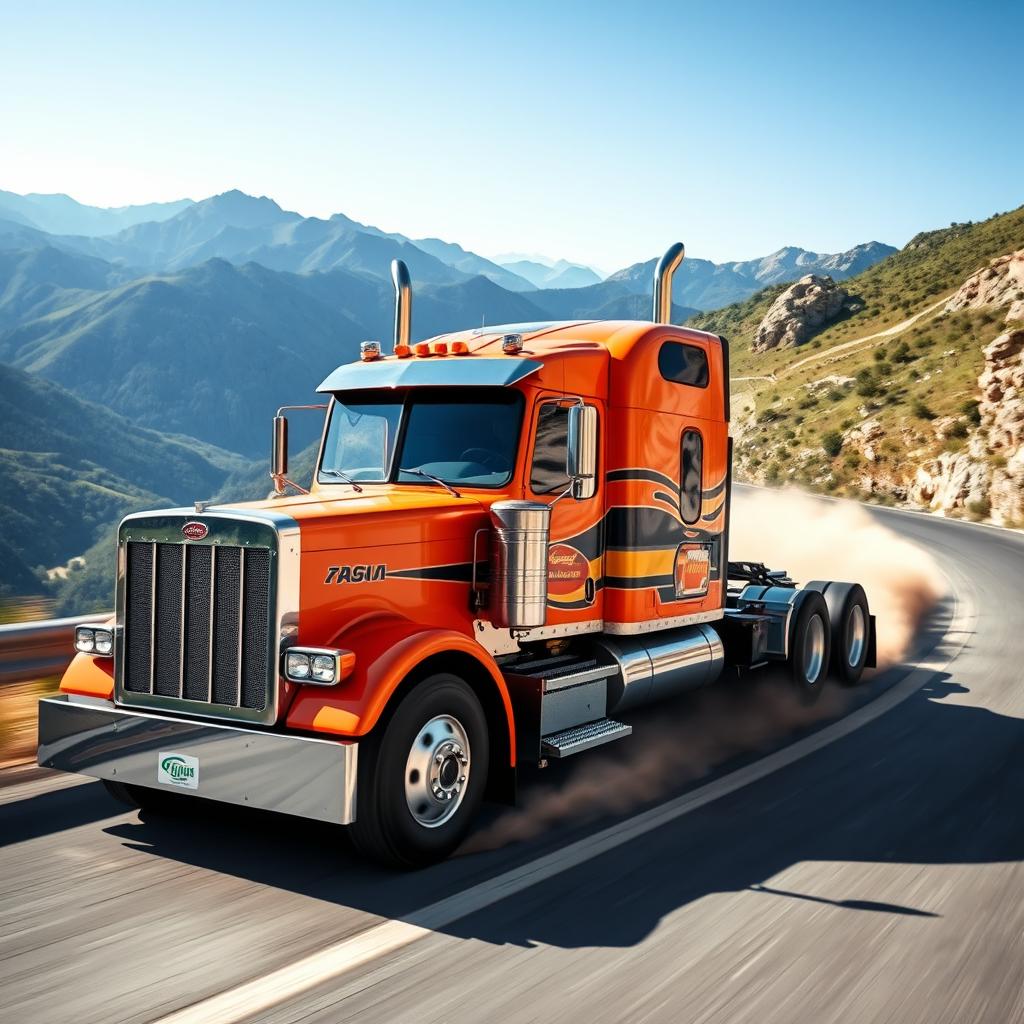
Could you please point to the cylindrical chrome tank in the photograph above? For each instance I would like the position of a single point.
(661, 664)
(519, 564)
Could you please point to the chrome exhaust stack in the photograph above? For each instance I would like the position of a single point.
(663, 272)
(403, 304)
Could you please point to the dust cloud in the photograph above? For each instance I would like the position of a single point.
(824, 540)
(683, 740)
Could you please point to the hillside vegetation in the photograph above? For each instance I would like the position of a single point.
(900, 370)
(69, 469)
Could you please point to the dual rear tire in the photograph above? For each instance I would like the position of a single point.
(830, 634)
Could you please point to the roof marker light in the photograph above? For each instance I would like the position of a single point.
(460, 348)
(440, 348)
(422, 348)
(403, 351)
(512, 344)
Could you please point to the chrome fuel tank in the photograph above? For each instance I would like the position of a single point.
(659, 665)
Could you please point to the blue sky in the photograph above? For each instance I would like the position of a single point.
(596, 131)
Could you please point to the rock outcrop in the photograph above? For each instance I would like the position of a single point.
(799, 312)
(954, 480)
(1002, 423)
(1001, 283)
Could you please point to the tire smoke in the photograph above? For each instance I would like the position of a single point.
(680, 741)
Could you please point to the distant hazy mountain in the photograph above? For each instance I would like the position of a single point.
(38, 281)
(469, 263)
(69, 468)
(560, 274)
(61, 215)
(708, 285)
(210, 352)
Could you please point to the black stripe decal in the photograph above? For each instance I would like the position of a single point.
(650, 475)
(458, 572)
(713, 492)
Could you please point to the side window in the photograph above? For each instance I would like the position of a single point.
(691, 475)
(549, 449)
(683, 364)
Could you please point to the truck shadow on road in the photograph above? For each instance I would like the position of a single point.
(936, 780)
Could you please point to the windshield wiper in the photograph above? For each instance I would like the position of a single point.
(343, 476)
(430, 476)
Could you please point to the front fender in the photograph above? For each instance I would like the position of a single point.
(387, 651)
(89, 676)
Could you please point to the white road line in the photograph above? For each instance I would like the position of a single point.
(294, 979)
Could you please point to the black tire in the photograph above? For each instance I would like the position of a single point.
(810, 645)
(390, 824)
(851, 628)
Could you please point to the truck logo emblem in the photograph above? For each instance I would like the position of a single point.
(178, 770)
(355, 573)
(568, 569)
(194, 531)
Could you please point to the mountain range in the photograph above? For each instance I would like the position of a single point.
(179, 328)
(708, 285)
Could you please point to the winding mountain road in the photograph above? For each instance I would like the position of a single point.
(865, 867)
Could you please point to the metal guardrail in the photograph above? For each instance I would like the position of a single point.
(35, 650)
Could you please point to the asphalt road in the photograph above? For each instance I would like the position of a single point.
(874, 875)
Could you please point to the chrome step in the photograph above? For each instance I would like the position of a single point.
(583, 737)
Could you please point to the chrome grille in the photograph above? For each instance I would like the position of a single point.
(196, 624)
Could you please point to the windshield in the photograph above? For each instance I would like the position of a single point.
(460, 436)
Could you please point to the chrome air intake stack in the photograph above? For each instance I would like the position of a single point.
(519, 564)
(403, 304)
(663, 273)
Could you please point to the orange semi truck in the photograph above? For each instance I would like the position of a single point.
(512, 535)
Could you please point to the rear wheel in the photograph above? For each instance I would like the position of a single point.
(851, 628)
(810, 645)
(422, 780)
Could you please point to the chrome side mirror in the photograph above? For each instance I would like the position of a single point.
(581, 451)
(279, 454)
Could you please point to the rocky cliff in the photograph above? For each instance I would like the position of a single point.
(799, 312)
(1001, 283)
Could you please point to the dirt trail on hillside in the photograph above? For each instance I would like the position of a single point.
(825, 354)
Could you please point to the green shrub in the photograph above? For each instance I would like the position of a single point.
(959, 429)
(969, 407)
(832, 443)
(919, 409)
(866, 383)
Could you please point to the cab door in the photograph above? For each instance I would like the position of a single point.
(576, 548)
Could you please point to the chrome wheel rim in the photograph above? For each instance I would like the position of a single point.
(856, 636)
(814, 649)
(437, 771)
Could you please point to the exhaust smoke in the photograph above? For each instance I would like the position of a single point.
(679, 741)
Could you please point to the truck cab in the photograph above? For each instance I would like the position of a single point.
(511, 534)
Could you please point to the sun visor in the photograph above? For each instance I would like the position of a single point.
(459, 372)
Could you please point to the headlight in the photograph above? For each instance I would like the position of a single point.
(317, 666)
(97, 640)
(296, 666)
(325, 668)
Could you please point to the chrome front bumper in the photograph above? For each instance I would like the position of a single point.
(311, 778)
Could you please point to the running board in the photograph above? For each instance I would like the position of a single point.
(583, 737)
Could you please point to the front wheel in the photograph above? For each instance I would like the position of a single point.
(421, 782)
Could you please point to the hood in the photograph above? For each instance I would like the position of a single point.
(381, 514)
